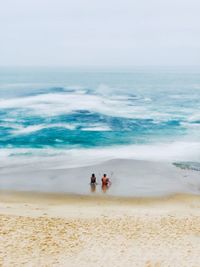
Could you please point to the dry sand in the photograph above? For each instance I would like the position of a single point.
(55, 230)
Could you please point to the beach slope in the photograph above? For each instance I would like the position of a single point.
(64, 230)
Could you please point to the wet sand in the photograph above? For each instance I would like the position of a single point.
(68, 230)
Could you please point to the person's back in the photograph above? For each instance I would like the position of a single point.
(93, 179)
(105, 180)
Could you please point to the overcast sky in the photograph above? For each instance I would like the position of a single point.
(99, 32)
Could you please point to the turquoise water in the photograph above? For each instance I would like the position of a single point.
(79, 116)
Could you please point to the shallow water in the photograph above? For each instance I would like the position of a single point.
(129, 178)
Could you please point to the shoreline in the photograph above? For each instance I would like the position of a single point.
(130, 178)
(64, 198)
(44, 228)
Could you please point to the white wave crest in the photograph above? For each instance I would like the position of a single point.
(53, 104)
(12, 159)
(194, 117)
(34, 128)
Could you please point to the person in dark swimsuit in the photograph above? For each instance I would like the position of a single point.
(93, 183)
(93, 179)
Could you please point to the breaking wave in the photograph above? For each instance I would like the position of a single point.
(139, 115)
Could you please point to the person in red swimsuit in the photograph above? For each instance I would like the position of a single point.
(105, 183)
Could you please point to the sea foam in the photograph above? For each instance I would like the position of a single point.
(53, 118)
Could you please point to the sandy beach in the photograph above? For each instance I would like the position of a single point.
(100, 133)
(150, 216)
(68, 230)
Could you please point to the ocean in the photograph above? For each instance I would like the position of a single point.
(54, 118)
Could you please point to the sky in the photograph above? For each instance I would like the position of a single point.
(99, 32)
